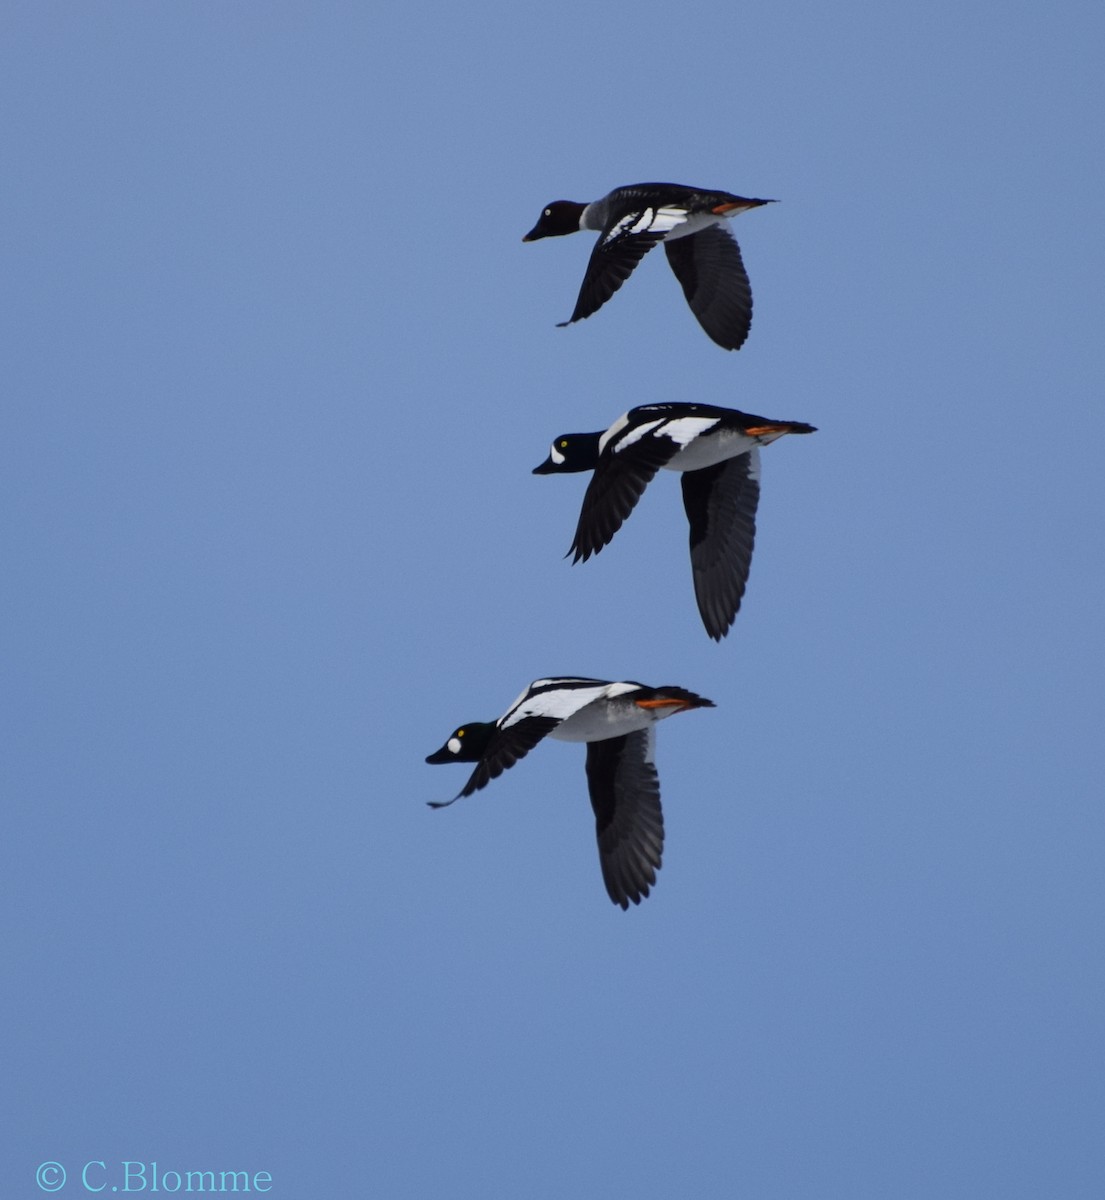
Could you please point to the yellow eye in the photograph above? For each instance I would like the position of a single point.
(563, 443)
(460, 733)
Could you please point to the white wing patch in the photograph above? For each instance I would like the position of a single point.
(684, 430)
(613, 431)
(698, 222)
(681, 430)
(648, 220)
(667, 219)
(634, 435)
(559, 703)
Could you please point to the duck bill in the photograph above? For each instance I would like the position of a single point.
(534, 234)
(546, 468)
(444, 755)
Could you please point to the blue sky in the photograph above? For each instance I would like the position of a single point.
(278, 367)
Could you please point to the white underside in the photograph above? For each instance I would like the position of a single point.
(708, 452)
(602, 720)
(691, 225)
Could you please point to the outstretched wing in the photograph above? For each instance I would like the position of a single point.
(721, 504)
(506, 747)
(631, 451)
(709, 267)
(620, 247)
(625, 794)
(617, 484)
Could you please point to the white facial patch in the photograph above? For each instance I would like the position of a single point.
(453, 745)
(555, 455)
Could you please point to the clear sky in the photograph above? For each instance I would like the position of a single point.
(277, 367)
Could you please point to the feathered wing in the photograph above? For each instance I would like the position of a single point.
(709, 267)
(721, 504)
(622, 474)
(616, 253)
(506, 747)
(625, 794)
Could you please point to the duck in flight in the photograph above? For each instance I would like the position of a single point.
(717, 452)
(617, 721)
(701, 251)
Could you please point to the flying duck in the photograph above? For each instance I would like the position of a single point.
(701, 251)
(717, 451)
(617, 721)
